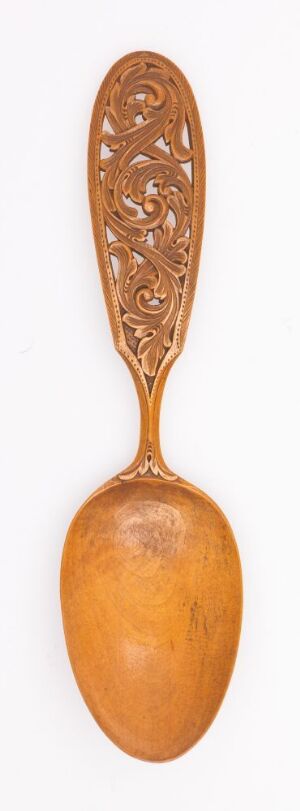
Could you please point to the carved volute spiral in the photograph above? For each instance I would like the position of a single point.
(147, 186)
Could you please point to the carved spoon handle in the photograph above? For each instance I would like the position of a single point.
(146, 175)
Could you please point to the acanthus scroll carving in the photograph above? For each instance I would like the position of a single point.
(147, 200)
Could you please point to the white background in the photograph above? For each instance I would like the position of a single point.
(69, 416)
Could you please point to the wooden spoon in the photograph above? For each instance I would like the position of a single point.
(151, 585)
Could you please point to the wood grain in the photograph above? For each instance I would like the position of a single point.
(151, 596)
(151, 586)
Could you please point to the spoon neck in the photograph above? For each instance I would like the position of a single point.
(149, 459)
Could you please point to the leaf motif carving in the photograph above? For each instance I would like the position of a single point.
(147, 179)
(145, 105)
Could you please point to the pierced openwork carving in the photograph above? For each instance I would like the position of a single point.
(144, 105)
(146, 178)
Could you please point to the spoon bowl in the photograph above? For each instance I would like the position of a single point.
(151, 597)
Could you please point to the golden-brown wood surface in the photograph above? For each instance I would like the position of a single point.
(151, 584)
(151, 600)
